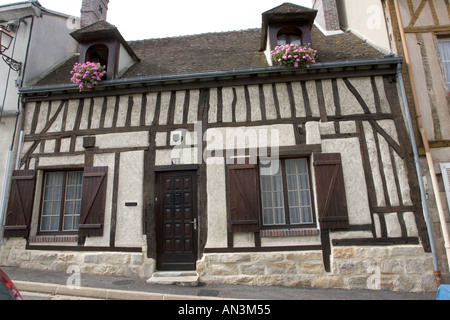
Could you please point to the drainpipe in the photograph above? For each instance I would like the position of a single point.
(424, 136)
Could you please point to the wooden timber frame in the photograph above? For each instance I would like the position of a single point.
(162, 104)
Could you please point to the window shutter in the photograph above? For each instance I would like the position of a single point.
(20, 208)
(445, 170)
(244, 199)
(93, 202)
(332, 202)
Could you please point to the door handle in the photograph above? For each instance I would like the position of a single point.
(194, 223)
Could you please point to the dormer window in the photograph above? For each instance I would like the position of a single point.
(102, 42)
(286, 24)
(289, 36)
(98, 53)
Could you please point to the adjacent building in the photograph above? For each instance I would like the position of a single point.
(25, 61)
(419, 31)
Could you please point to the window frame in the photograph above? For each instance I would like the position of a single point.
(60, 230)
(442, 39)
(445, 173)
(289, 33)
(288, 225)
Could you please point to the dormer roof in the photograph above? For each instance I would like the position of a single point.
(102, 30)
(287, 12)
(288, 8)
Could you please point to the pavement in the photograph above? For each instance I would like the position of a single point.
(124, 288)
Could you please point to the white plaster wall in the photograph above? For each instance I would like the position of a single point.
(366, 19)
(129, 219)
(217, 209)
(49, 32)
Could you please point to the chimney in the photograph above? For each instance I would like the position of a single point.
(327, 17)
(93, 11)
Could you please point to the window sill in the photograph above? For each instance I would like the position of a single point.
(54, 239)
(289, 233)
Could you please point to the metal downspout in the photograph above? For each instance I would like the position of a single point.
(423, 135)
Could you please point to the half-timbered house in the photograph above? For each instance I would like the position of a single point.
(197, 154)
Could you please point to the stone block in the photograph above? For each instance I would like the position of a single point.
(223, 270)
(393, 266)
(404, 284)
(351, 267)
(414, 266)
(91, 258)
(343, 253)
(311, 268)
(266, 257)
(304, 256)
(357, 282)
(229, 258)
(281, 268)
(327, 282)
(297, 281)
(137, 259)
(252, 269)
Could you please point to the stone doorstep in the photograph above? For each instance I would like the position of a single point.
(184, 278)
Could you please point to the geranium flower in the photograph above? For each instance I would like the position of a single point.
(87, 75)
(294, 56)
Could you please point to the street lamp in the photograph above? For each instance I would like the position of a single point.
(5, 39)
(5, 42)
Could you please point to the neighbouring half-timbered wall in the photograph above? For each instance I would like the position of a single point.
(426, 23)
(358, 117)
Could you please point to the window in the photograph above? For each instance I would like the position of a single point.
(445, 169)
(72, 202)
(61, 204)
(444, 47)
(286, 194)
(98, 54)
(289, 36)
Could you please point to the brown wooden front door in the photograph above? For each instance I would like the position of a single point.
(177, 221)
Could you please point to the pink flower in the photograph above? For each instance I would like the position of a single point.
(296, 56)
(87, 75)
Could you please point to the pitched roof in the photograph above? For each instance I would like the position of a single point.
(102, 29)
(218, 52)
(289, 8)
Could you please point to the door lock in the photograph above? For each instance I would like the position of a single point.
(194, 223)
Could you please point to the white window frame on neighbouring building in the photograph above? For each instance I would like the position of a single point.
(445, 170)
(444, 48)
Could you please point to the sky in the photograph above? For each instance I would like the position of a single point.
(147, 19)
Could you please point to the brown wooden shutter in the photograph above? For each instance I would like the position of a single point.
(332, 202)
(20, 208)
(244, 199)
(93, 202)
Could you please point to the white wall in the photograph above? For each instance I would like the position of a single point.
(366, 20)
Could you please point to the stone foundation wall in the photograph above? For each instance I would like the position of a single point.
(123, 264)
(397, 268)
